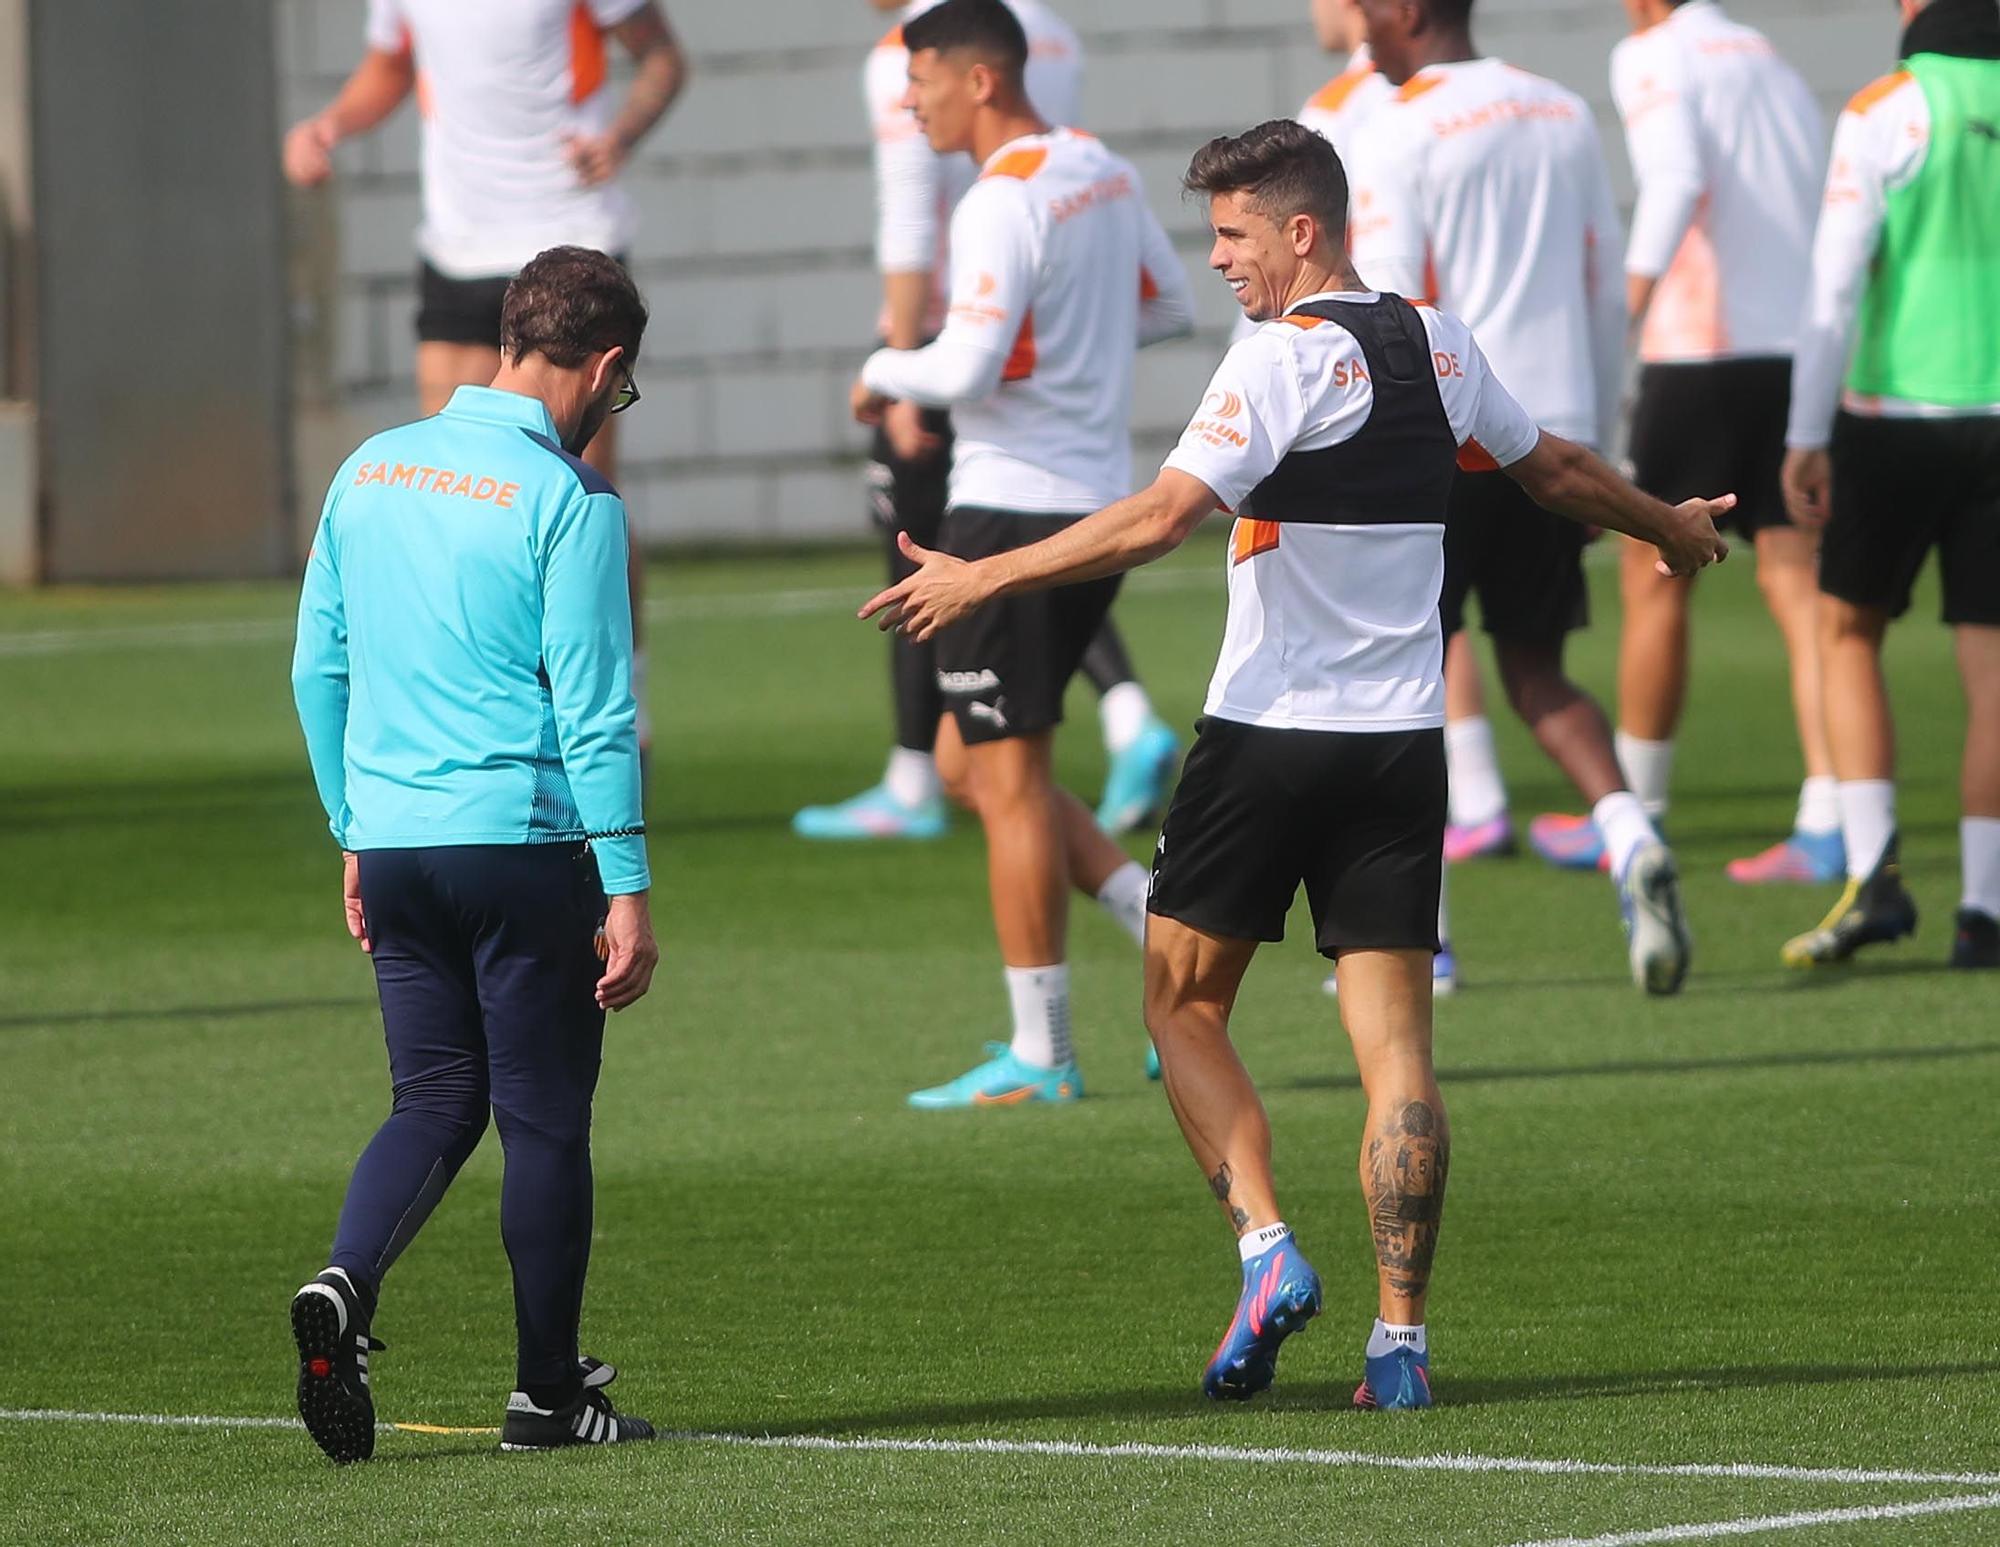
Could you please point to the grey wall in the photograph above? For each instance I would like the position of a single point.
(758, 214)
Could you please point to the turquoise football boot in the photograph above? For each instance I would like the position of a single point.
(1002, 1081)
(1135, 790)
(874, 813)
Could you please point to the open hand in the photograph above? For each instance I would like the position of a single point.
(868, 405)
(630, 953)
(942, 591)
(903, 424)
(1695, 544)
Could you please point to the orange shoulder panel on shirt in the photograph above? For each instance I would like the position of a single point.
(1307, 323)
(586, 54)
(1022, 164)
(1876, 91)
(1417, 85)
(893, 40)
(1334, 94)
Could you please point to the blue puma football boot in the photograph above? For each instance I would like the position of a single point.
(1280, 1295)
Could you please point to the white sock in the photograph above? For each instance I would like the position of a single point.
(1868, 822)
(1477, 793)
(1649, 769)
(1979, 853)
(1040, 997)
(1387, 1337)
(911, 777)
(1819, 806)
(1254, 1243)
(1123, 896)
(1123, 712)
(645, 720)
(1626, 828)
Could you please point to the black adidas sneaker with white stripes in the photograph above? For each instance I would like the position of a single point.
(590, 1419)
(331, 1328)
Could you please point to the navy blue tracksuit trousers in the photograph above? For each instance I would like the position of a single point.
(485, 960)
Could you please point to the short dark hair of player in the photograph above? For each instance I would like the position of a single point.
(1285, 168)
(568, 304)
(983, 27)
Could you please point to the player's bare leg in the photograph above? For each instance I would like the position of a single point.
(1653, 645)
(1385, 1002)
(1874, 907)
(1009, 785)
(1573, 731)
(1191, 983)
(443, 368)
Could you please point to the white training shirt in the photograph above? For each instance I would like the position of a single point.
(1727, 145)
(1340, 107)
(1332, 628)
(1059, 272)
(501, 85)
(1879, 145)
(1483, 188)
(916, 189)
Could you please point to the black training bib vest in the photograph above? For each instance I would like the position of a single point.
(1399, 468)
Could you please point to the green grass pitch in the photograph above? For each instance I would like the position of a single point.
(1756, 1224)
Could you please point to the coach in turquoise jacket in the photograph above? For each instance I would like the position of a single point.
(464, 678)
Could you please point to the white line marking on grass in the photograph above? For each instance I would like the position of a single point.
(1141, 1451)
(1710, 1530)
(706, 608)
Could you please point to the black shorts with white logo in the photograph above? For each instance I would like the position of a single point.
(1715, 427)
(1357, 816)
(460, 311)
(1524, 563)
(1902, 487)
(1003, 670)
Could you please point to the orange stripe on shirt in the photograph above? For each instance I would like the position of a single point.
(1308, 323)
(1247, 539)
(586, 54)
(1417, 85)
(1334, 94)
(1021, 363)
(1877, 91)
(1023, 164)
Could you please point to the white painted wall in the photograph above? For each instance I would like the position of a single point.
(757, 219)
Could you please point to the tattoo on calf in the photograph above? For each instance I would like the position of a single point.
(1407, 1162)
(1219, 1184)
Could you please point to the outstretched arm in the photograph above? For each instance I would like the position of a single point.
(1576, 482)
(1135, 531)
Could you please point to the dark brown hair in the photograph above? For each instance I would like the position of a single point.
(568, 304)
(1285, 168)
(984, 27)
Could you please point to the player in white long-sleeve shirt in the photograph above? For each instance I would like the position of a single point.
(1894, 449)
(1728, 149)
(1059, 273)
(916, 189)
(1483, 188)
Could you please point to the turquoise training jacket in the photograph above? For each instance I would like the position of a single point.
(463, 671)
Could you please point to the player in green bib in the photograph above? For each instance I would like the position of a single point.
(1895, 448)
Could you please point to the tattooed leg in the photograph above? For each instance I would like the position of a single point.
(1191, 982)
(1385, 998)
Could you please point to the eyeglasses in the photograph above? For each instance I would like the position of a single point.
(627, 395)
